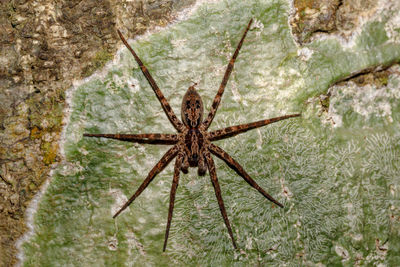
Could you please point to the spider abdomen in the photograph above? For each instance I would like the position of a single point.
(194, 142)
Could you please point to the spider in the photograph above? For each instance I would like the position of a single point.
(192, 145)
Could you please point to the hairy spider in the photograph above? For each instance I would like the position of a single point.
(192, 144)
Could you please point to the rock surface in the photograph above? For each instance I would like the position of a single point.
(342, 17)
(46, 45)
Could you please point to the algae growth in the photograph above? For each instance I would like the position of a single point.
(339, 184)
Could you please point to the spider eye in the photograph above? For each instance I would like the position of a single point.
(187, 104)
(197, 104)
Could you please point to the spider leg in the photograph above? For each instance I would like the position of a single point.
(164, 161)
(221, 89)
(185, 164)
(217, 189)
(202, 163)
(202, 166)
(153, 138)
(174, 186)
(237, 129)
(164, 103)
(220, 153)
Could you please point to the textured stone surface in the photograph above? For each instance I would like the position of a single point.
(342, 17)
(44, 46)
(335, 169)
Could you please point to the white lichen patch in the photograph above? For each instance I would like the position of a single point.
(342, 252)
(112, 243)
(257, 25)
(392, 27)
(177, 43)
(236, 94)
(379, 254)
(369, 101)
(119, 200)
(70, 168)
(305, 53)
(285, 190)
(134, 244)
(126, 80)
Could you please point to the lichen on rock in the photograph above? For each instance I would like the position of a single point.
(338, 184)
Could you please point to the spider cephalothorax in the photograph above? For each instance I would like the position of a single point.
(192, 144)
(192, 108)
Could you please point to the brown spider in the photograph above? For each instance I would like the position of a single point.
(192, 145)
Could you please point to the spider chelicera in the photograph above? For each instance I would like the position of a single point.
(192, 145)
